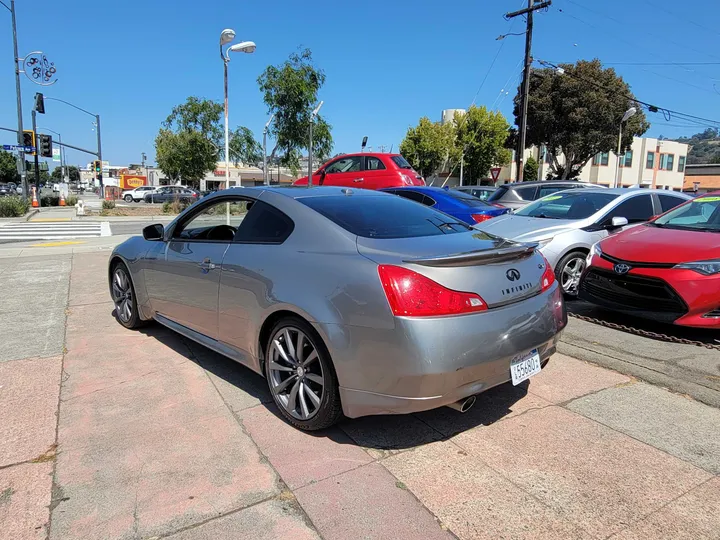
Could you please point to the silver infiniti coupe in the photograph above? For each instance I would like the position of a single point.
(347, 301)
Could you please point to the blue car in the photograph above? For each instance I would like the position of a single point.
(459, 205)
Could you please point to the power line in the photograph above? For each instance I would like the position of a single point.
(662, 63)
(655, 5)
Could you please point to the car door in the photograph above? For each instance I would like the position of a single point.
(375, 174)
(184, 282)
(636, 209)
(345, 172)
(245, 292)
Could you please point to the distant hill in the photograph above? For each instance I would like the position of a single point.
(705, 146)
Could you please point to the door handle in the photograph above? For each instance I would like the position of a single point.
(207, 265)
(358, 180)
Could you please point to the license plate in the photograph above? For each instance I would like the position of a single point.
(524, 366)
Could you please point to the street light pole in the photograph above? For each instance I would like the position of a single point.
(630, 112)
(310, 146)
(266, 180)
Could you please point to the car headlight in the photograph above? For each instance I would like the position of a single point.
(594, 250)
(706, 268)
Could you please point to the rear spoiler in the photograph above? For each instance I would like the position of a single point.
(474, 258)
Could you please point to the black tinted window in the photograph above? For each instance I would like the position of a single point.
(636, 210)
(468, 199)
(526, 193)
(384, 217)
(668, 202)
(401, 162)
(264, 224)
(498, 194)
(412, 195)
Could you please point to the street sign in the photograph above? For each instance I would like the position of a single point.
(495, 173)
(56, 154)
(16, 147)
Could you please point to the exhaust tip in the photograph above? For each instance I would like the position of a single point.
(464, 405)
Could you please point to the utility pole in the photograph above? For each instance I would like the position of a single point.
(16, 59)
(532, 7)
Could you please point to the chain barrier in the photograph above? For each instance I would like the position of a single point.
(645, 333)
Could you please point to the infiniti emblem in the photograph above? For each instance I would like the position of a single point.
(622, 268)
(512, 274)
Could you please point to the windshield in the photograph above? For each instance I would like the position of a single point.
(468, 199)
(567, 205)
(701, 214)
(384, 216)
(401, 162)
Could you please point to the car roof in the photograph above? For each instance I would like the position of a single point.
(544, 183)
(298, 192)
(375, 154)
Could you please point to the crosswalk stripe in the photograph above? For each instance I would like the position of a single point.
(53, 231)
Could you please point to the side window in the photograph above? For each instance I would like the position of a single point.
(668, 202)
(211, 223)
(548, 190)
(526, 193)
(635, 210)
(412, 195)
(373, 164)
(429, 201)
(264, 224)
(348, 164)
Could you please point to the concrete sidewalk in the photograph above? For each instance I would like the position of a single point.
(111, 433)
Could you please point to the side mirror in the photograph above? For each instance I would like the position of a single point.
(618, 222)
(154, 232)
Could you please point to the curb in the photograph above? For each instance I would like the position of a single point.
(31, 214)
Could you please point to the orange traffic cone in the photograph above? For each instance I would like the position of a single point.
(35, 203)
(62, 198)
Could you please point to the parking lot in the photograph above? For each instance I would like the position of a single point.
(108, 432)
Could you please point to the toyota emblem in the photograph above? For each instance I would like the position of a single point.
(512, 274)
(622, 268)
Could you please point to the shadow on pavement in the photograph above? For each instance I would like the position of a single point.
(580, 307)
(385, 433)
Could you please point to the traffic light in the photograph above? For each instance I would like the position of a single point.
(45, 146)
(29, 140)
(39, 103)
(97, 165)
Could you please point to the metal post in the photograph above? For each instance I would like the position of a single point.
(99, 155)
(265, 174)
(462, 160)
(617, 164)
(37, 161)
(227, 129)
(21, 154)
(519, 158)
(310, 155)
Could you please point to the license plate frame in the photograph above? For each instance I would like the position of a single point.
(524, 366)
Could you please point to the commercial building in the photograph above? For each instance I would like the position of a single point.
(702, 178)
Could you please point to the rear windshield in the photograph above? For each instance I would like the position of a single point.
(384, 216)
(401, 162)
(567, 205)
(467, 199)
(497, 194)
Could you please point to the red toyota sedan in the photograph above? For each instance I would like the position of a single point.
(367, 171)
(667, 269)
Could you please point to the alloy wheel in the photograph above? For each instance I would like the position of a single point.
(122, 294)
(570, 276)
(296, 375)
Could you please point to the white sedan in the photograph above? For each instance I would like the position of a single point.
(137, 194)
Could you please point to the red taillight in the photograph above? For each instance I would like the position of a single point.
(413, 295)
(479, 218)
(548, 277)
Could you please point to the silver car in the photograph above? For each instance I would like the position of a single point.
(347, 301)
(566, 224)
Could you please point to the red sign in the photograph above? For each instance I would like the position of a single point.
(132, 181)
(495, 173)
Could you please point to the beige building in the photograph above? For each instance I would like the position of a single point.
(649, 163)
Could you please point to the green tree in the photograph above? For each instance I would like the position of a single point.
(243, 147)
(290, 91)
(530, 170)
(578, 113)
(197, 114)
(428, 145)
(8, 168)
(185, 156)
(481, 136)
(71, 170)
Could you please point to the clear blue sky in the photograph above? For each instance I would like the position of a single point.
(387, 62)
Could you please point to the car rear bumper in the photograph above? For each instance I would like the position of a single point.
(424, 363)
(681, 297)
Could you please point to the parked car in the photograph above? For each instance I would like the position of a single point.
(458, 204)
(666, 270)
(172, 193)
(367, 171)
(481, 192)
(6, 190)
(347, 301)
(519, 194)
(137, 194)
(568, 223)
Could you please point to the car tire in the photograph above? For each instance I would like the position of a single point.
(568, 271)
(124, 297)
(296, 377)
(128, 198)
